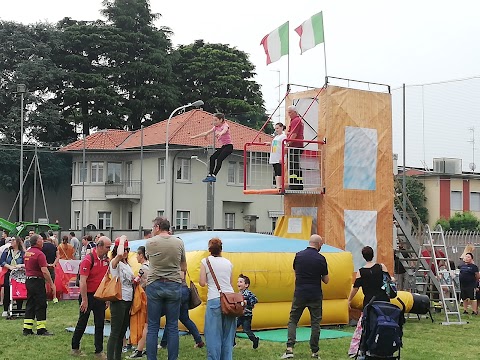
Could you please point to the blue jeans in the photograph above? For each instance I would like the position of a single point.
(219, 332)
(163, 298)
(185, 319)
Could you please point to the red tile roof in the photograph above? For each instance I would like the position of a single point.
(102, 140)
(181, 128)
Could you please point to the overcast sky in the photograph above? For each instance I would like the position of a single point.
(390, 42)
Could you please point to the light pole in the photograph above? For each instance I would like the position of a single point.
(21, 89)
(210, 198)
(197, 103)
(279, 92)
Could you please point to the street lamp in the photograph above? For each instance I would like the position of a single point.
(21, 89)
(210, 198)
(197, 103)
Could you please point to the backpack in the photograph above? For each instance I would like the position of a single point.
(77, 281)
(388, 286)
(382, 328)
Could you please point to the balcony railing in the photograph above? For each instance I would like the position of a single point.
(123, 189)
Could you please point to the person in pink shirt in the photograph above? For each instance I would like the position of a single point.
(222, 134)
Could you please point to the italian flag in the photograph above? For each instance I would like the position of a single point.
(311, 32)
(275, 44)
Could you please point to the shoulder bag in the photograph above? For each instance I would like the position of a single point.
(233, 304)
(110, 289)
(194, 296)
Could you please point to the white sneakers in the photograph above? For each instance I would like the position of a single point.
(4, 314)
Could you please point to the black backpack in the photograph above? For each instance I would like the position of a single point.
(382, 325)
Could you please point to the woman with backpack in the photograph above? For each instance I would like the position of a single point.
(370, 279)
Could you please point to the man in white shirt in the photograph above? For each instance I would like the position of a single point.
(76, 244)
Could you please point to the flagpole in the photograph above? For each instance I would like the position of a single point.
(288, 57)
(324, 49)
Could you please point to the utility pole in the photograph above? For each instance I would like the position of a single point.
(472, 164)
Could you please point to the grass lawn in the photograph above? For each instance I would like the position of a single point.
(422, 340)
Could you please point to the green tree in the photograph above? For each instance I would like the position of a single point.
(465, 221)
(140, 64)
(87, 96)
(221, 76)
(416, 194)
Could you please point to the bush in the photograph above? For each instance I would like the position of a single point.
(444, 223)
(464, 221)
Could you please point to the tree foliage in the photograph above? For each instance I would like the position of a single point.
(461, 221)
(416, 194)
(221, 76)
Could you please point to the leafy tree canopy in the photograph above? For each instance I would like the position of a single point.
(416, 194)
(221, 76)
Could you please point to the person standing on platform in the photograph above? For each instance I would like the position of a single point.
(276, 153)
(295, 143)
(37, 273)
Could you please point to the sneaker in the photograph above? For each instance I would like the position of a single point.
(4, 314)
(101, 355)
(255, 342)
(127, 348)
(210, 178)
(27, 332)
(77, 352)
(136, 354)
(288, 354)
(44, 333)
(465, 312)
(474, 312)
(199, 345)
(315, 356)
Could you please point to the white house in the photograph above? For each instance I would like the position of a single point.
(124, 187)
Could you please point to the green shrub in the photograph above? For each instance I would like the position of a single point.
(444, 223)
(464, 221)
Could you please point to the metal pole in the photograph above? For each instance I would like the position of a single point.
(167, 185)
(83, 185)
(20, 205)
(140, 227)
(35, 185)
(404, 178)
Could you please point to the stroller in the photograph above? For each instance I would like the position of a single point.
(382, 330)
(18, 292)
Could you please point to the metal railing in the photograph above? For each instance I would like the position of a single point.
(123, 188)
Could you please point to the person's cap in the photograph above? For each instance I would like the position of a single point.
(117, 242)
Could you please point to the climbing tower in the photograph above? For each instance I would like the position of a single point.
(349, 191)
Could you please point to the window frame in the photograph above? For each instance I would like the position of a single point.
(161, 170)
(453, 203)
(104, 219)
(76, 220)
(96, 172)
(476, 194)
(119, 173)
(229, 218)
(182, 218)
(181, 165)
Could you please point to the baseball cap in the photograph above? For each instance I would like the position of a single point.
(117, 242)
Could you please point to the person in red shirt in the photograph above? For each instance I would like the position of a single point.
(36, 269)
(295, 144)
(92, 270)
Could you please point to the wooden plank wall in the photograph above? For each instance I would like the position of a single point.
(340, 108)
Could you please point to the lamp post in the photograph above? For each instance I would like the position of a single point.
(21, 89)
(210, 198)
(197, 103)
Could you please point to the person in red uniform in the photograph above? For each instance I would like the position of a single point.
(37, 273)
(91, 275)
(295, 143)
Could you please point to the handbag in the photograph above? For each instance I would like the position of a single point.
(194, 300)
(233, 304)
(110, 289)
(388, 286)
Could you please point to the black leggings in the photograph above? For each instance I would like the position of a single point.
(217, 158)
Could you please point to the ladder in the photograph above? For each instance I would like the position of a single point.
(433, 254)
(413, 237)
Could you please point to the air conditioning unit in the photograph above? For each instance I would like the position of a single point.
(447, 166)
